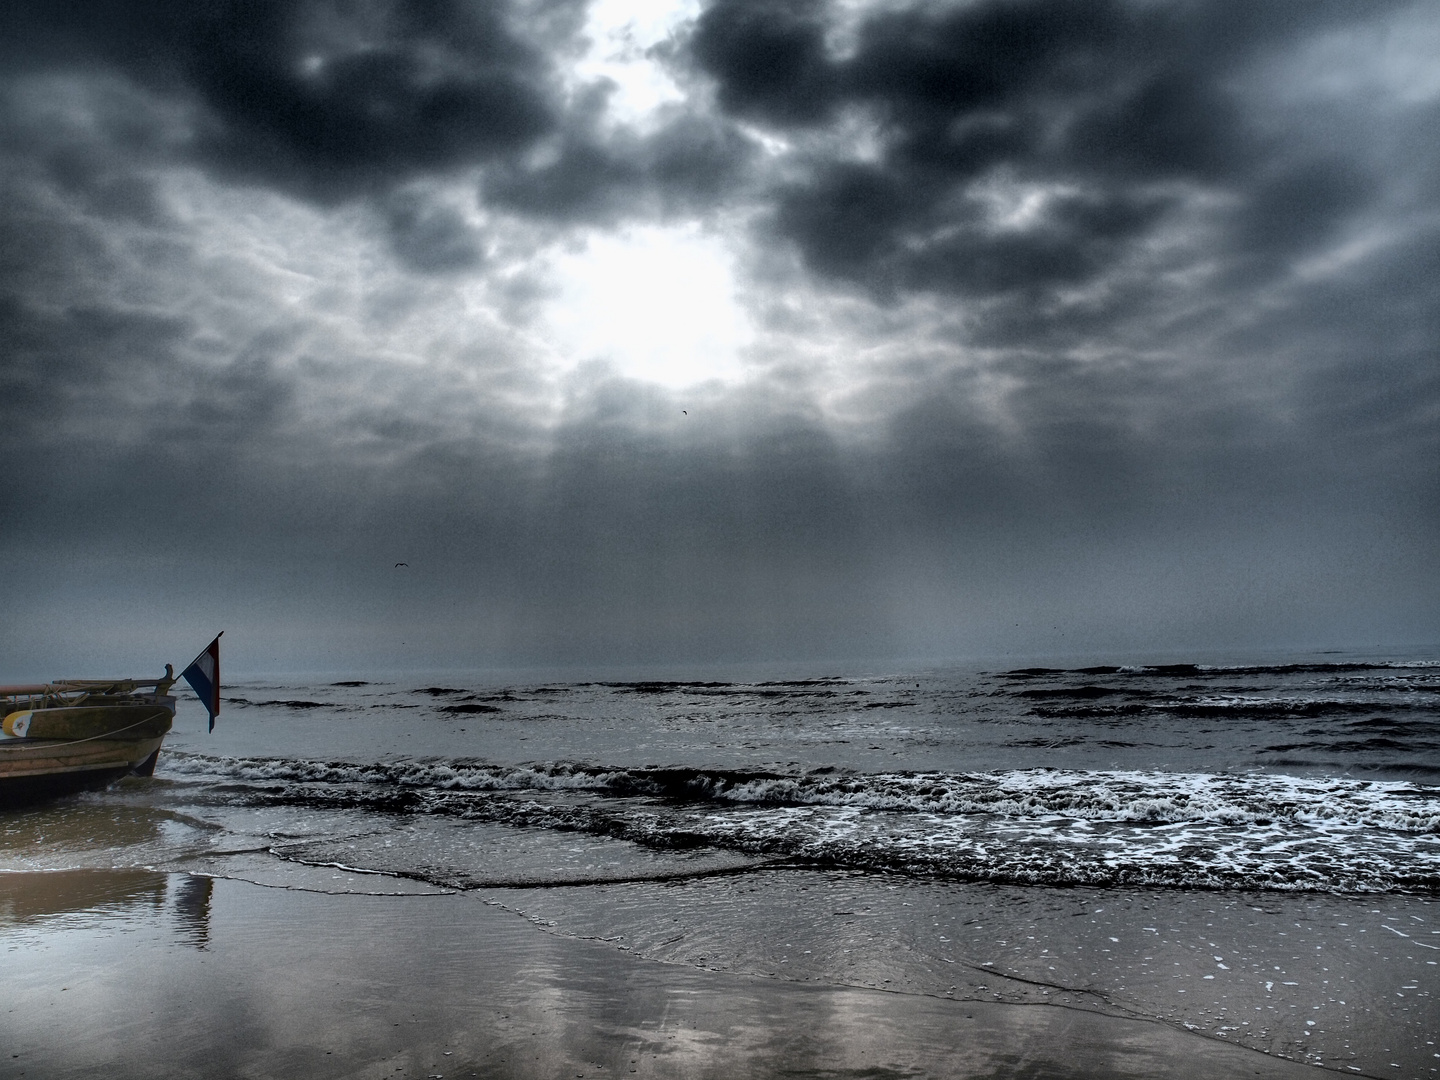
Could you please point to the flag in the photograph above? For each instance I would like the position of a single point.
(203, 675)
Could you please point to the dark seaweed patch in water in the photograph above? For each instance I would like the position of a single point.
(771, 690)
(470, 707)
(657, 687)
(1197, 710)
(1100, 669)
(784, 693)
(829, 680)
(1308, 669)
(1405, 768)
(1397, 727)
(294, 704)
(1082, 693)
(1093, 712)
(437, 691)
(1197, 670)
(1276, 709)
(1409, 746)
(1379, 743)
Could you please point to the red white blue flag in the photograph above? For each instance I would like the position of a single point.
(203, 675)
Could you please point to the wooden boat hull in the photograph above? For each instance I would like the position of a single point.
(32, 770)
(79, 734)
(146, 720)
(46, 753)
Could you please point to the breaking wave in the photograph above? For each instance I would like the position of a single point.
(1047, 826)
(1131, 796)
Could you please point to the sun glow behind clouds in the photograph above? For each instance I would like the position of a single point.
(658, 303)
(621, 34)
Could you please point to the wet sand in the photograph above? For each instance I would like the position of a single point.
(135, 973)
(1349, 983)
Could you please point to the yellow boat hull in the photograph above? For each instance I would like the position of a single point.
(49, 752)
(142, 721)
(32, 770)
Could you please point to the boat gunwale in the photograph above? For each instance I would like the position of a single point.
(8, 743)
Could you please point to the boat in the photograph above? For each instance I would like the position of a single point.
(83, 734)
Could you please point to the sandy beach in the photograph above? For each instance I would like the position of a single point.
(139, 973)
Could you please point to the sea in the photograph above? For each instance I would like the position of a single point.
(1307, 773)
(1226, 826)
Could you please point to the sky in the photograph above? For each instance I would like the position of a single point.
(677, 332)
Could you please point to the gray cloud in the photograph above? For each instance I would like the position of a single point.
(687, 165)
(1117, 116)
(1075, 327)
(326, 97)
(432, 238)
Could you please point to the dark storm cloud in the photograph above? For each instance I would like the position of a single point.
(326, 98)
(1298, 205)
(334, 102)
(1114, 111)
(688, 165)
(768, 59)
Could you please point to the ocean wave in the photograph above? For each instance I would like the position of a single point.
(1114, 796)
(1038, 826)
(1051, 852)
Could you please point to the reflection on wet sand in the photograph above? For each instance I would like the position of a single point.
(30, 898)
(191, 905)
(69, 899)
(303, 984)
(102, 831)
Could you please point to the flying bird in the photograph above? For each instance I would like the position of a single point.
(402, 564)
